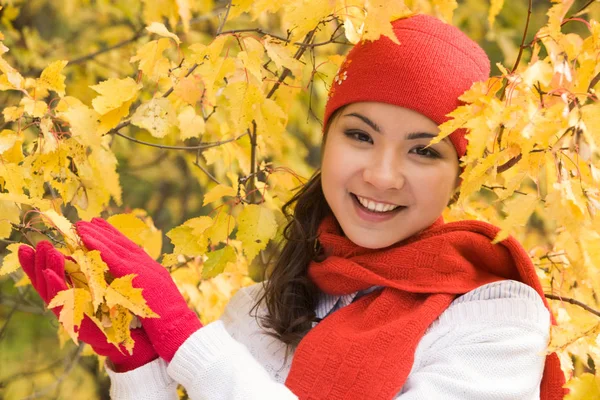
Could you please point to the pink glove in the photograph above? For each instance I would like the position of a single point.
(177, 322)
(45, 267)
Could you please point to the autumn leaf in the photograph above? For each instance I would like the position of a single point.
(157, 116)
(10, 263)
(161, 29)
(256, 226)
(584, 387)
(217, 261)
(75, 304)
(116, 96)
(52, 78)
(218, 192)
(151, 60)
(119, 333)
(121, 292)
(11, 215)
(63, 225)
(94, 269)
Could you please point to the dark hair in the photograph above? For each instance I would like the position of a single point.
(289, 295)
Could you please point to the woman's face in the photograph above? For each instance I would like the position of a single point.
(377, 153)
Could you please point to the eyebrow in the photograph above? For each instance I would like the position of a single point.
(365, 120)
(376, 128)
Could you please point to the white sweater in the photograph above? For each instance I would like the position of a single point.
(489, 344)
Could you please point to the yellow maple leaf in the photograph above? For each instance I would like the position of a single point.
(152, 62)
(584, 387)
(10, 263)
(94, 268)
(75, 304)
(84, 124)
(10, 215)
(518, 212)
(11, 146)
(186, 241)
(35, 108)
(239, 7)
(445, 9)
(121, 292)
(13, 77)
(380, 13)
(282, 55)
(52, 78)
(190, 124)
(64, 226)
(119, 333)
(218, 192)
(156, 116)
(188, 89)
(116, 96)
(139, 229)
(12, 113)
(256, 226)
(161, 30)
(222, 226)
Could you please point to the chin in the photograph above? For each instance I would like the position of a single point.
(371, 242)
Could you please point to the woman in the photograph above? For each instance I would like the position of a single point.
(372, 296)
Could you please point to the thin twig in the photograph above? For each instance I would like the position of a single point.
(125, 42)
(197, 164)
(309, 37)
(575, 302)
(529, 11)
(222, 24)
(184, 148)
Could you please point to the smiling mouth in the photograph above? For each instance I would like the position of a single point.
(393, 211)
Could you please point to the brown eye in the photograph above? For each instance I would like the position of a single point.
(425, 152)
(358, 135)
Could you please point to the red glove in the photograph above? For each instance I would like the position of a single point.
(45, 267)
(123, 257)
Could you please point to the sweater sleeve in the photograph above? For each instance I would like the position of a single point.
(488, 345)
(148, 382)
(212, 365)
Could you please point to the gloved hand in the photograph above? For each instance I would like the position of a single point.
(177, 322)
(45, 267)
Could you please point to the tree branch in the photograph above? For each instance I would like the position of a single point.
(197, 164)
(224, 20)
(286, 72)
(125, 42)
(574, 302)
(202, 146)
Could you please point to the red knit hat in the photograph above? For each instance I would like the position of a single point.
(433, 65)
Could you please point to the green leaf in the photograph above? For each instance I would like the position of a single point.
(217, 261)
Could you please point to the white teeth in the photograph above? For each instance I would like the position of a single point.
(376, 207)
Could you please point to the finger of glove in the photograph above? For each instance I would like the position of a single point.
(55, 261)
(41, 256)
(102, 230)
(115, 234)
(54, 284)
(27, 260)
(110, 254)
(93, 236)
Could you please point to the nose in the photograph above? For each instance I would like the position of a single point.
(384, 173)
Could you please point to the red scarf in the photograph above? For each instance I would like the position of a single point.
(366, 349)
